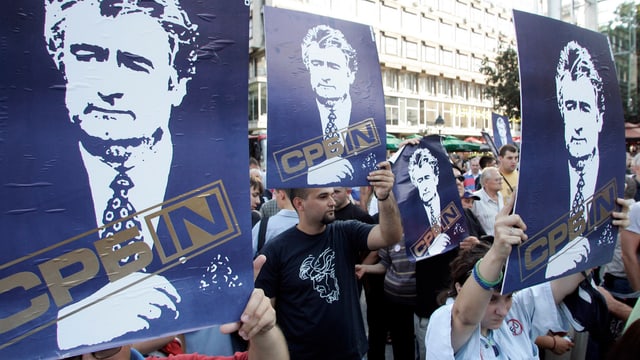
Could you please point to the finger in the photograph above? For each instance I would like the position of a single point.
(257, 265)
(228, 328)
(384, 165)
(508, 207)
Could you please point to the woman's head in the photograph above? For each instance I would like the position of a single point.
(461, 269)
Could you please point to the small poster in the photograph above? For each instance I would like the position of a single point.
(501, 130)
(428, 199)
(326, 105)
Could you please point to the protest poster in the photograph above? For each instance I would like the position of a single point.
(120, 218)
(325, 105)
(501, 130)
(432, 215)
(572, 152)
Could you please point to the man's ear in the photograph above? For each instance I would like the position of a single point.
(177, 89)
(297, 203)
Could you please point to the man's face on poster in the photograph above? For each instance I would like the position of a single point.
(502, 127)
(329, 73)
(120, 84)
(423, 177)
(582, 122)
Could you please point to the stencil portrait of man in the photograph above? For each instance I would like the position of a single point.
(581, 103)
(424, 173)
(109, 156)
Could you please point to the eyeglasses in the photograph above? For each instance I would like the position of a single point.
(460, 178)
(99, 355)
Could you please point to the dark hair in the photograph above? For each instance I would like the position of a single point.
(507, 148)
(627, 346)
(255, 182)
(485, 160)
(297, 192)
(461, 267)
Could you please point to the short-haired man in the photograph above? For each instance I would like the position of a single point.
(508, 157)
(581, 103)
(424, 174)
(473, 173)
(332, 65)
(310, 272)
(491, 200)
(284, 219)
(485, 161)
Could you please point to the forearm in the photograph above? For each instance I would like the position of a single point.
(617, 308)
(374, 269)
(472, 301)
(629, 242)
(270, 345)
(564, 286)
(390, 224)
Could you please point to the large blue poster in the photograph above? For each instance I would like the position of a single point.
(119, 217)
(501, 130)
(572, 157)
(432, 215)
(326, 105)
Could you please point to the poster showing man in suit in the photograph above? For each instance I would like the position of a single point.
(428, 199)
(119, 222)
(501, 130)
(326, 105)
(568, 186)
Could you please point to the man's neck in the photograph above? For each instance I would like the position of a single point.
(493, 194)
(311, 228)
(506, 171)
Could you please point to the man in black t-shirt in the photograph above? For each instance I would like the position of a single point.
(310, 271)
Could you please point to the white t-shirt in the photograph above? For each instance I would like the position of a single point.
(532, 314)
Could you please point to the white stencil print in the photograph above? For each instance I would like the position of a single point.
(323, 274)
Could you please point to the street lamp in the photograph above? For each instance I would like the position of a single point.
(439, 123)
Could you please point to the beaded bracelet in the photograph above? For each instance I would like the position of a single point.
(385, 198)
(484, 283)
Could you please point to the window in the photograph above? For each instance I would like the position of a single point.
(428, 85)
(477, 15)
(477, 39)
(447, 57)
(430, 27)
(391, 109)
(429, 54)
(412, 111)
(390, 15)
(409, 82)
(445, 87)
(390, 79)
(476, 64)
(446, 6)
(411, 50)
(447, 32)
(462, 10)
(463, 62)
(410, 21)
(462, 36)
(390, 45)
(367, 10)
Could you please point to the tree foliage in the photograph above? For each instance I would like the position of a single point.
(503, 82)
(624, 36)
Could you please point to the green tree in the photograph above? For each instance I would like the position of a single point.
(624, 37)
(503, 82)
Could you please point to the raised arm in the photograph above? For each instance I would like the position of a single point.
(389, 230)
(472, 300)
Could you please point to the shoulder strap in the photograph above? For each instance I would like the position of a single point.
(262, 232)
(507, 181)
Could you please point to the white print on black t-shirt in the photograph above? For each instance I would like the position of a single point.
(323, 274)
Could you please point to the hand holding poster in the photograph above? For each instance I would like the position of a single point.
(326, 105)
(428, 199)
(572, 154)
(120, 222)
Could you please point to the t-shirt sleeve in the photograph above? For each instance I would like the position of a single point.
(634, 218)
